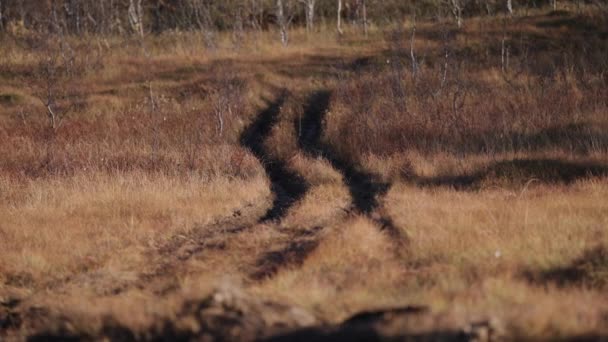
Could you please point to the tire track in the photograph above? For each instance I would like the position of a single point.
(364, 187)
(287, 186)
(170, 259)
(293, 251)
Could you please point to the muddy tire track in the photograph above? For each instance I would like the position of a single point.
(170, 259)
(287, 186)
(364, 187)
(293, 252)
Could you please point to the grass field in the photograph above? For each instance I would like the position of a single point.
(450, 184)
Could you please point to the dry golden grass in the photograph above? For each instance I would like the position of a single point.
(476, 248)
(56, 228)
(489, 187)
(351, 268)
(468, 257)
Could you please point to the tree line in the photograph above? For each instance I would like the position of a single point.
(138, 16)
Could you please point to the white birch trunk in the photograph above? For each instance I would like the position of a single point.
(339, 23)
(282, 23)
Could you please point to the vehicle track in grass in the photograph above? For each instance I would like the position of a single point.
(364, 187)
(170, 259)
(288, 187)
(293, 245)
(290, 248)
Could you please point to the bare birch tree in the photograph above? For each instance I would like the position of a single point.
(202, 16)
(339, 22)
(282, 22)
(49, 77)
(364, 13)
(136, 16)
(412, 51)
(309, 8)
(457, 11)
(285, 14)
(55, 76)
(1, 18)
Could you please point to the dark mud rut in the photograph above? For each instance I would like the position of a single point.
(364, 188)
(287, 186)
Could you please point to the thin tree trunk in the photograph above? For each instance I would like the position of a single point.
(1, 18)
(196, 12)
(339, 24)
(309, 12)
(364, 9)
(237, 29)
(510, 6)
(282, 23)
(310, 17)
(102, 18)
(412, 54)
(136, 16)
(504, 49)
(555, 5)
(21, 13)
(457, 11)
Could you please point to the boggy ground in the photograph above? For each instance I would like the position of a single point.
(331, 190)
